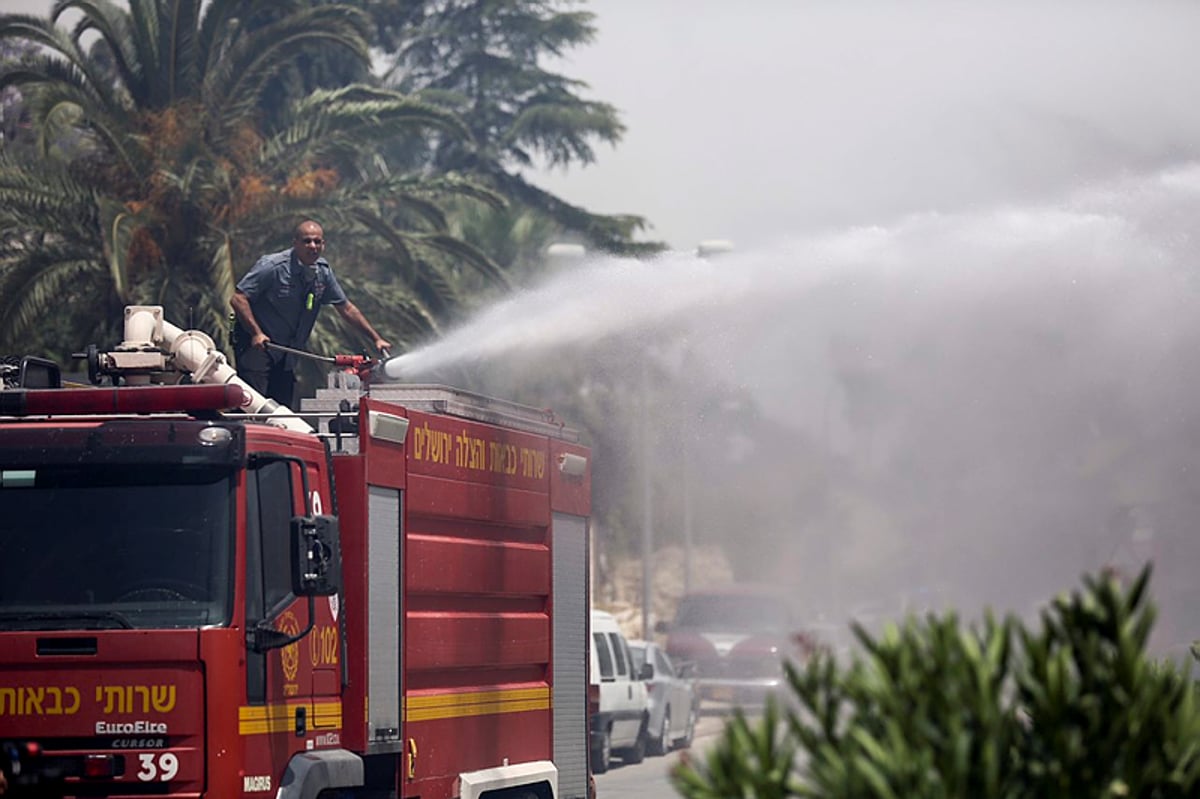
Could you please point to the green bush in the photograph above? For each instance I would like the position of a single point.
(933, 708)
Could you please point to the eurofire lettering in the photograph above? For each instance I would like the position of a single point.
(131, 728)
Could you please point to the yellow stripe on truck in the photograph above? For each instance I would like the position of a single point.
(265, 719)
(269, 719)
(476, 703)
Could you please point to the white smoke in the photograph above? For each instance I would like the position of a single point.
(978, 407)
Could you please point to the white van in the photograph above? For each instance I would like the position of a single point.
(619, 707)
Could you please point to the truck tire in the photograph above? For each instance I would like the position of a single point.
(661, 743)
(602, 754)
(637, 752)
(689, 732)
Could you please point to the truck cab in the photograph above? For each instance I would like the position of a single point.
(150, 568)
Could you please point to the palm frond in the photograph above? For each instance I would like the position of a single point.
(53, 84)
(234, 84)
(32, 288)
(459, 186)
(181, 47)
(370, 106)
(144, 19)
(330, 126)
(424, 209)
(33, 194)
(112, 23)
(409, 321)
(467, 253)
(221, 276)
(219, 16)
(45, 34)
(118, 230)
(402, 254)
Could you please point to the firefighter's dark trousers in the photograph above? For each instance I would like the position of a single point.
(267, 374)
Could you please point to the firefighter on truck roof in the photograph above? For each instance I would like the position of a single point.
(278, 301)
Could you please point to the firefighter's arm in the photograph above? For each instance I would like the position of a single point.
(241, 306)
(351, 314)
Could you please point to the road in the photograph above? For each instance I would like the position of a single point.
(649, 779)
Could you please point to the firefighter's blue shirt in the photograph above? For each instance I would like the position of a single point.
(284, 302)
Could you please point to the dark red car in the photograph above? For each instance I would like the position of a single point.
(737, 638)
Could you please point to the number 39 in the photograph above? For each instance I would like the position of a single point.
(165, 769)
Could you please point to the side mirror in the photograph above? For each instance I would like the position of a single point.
(647, 672)
(316, 556)
(39, 373)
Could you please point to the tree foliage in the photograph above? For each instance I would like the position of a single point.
(484, 59)
(157, 180)
(14, 116)
(935, 709)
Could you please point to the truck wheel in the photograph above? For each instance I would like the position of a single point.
(661, 744)
(637, 752)
(689, 732)
(602, 754)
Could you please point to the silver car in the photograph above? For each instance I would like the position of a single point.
(674, 702)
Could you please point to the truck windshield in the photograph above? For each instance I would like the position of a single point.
(102, 546)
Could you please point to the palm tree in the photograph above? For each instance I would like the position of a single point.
(156, 180)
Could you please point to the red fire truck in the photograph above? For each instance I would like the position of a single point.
(204, 594)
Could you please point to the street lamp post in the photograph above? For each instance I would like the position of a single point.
(687, 510)
(647, 501)
(562, 252)
(709, 248)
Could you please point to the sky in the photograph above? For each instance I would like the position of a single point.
(39, 7)
(750, 121)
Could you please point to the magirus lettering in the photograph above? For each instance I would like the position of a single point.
(256, 784)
